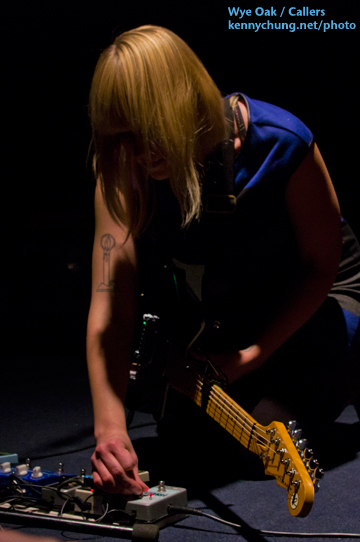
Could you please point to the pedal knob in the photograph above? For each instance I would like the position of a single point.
(5, 467)
(22, 470)
(36, 473)
(162, 487)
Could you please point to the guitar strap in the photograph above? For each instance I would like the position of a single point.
(219, 228)
(218, 182)
(212, 235)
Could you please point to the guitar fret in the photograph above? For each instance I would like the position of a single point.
(224, 411)
(222, 414)
(216, 413)
(235, 422)
(228, 421)
(227, 417)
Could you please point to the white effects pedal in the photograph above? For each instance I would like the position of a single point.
(153, 505)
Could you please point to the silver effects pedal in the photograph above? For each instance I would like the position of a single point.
(153, 505)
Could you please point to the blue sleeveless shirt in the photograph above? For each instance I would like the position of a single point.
(251, 268)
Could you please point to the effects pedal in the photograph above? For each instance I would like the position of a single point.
(53, 499)
(153, 505)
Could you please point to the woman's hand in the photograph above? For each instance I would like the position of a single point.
(234, 364)
(115, 465)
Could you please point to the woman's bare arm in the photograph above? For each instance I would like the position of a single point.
(315, 215)
(109, 347)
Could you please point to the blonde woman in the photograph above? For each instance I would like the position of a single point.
(276, 277)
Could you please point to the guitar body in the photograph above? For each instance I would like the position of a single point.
(160, 358)
(169, 313)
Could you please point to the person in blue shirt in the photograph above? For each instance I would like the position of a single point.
(281, 273)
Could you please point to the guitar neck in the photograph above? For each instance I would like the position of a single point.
(224, 410)
(272, 443)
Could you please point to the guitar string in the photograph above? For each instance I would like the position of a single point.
(236, 416)
(242, 431)
(236, 413)
(232, 406)
(247, 428)
(205, 382)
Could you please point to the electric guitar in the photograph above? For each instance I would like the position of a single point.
(285, 455)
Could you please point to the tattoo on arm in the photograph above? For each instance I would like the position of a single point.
(107, 244)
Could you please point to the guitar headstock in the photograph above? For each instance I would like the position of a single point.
(287, 457)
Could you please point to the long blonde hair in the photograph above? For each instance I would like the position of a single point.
(151, 85)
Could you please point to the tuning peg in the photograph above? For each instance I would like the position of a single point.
(308, 453)
(292, 425)
(282, 452)
(297, 434)
(313, 463)
(296, 485)
(302, 444)
(291, 473)
(319, 474)
(316, 486)
(286, 462)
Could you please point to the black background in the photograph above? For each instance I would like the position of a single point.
(50, 49)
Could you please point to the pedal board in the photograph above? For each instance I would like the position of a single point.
(58, 500)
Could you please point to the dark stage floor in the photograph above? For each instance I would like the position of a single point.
(46, 415)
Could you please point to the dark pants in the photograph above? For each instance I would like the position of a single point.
(311, 379)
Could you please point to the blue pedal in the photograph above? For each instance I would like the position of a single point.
(27, 479)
